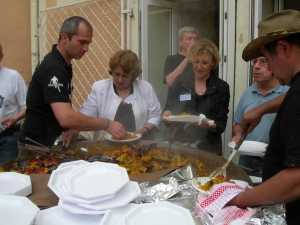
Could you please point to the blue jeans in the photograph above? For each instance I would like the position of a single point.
(8, 149)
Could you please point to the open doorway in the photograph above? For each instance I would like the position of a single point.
(291, 4)
(161, 21)
(202, 14)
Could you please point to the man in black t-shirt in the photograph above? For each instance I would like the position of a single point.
(177, 68)
(178, 71)
(279, 42)
(49, 110)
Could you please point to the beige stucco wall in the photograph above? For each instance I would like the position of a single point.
(44, 4)
(15, 35)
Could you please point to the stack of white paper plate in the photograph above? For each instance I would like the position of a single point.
(15, 184)
(253, 148)
(92, 188)
(17, 210)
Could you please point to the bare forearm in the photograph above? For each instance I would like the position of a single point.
(146, 128)
(252, 117)
(273, 105)
(171, 77)
(237, 132)
(12, 120)
(283, 187)
(70, 119)
(79, 121)
(20, 115)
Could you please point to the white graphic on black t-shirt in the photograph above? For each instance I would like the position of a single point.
(54, 83)
(1, 101)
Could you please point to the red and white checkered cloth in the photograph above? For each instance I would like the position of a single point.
(212, 207)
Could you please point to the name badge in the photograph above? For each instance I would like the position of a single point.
(185, 97)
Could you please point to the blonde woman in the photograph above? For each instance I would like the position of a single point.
(208, 95)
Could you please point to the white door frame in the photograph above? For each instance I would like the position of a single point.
(279, 4)
(227, 51)
(144, 30)
(257, 16)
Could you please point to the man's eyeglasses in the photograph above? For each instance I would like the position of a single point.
(262, 61)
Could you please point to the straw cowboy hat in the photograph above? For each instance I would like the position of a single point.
(278, 25)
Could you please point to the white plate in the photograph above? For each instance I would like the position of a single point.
(60, 181)
(117, 216)
(160, 213)
(200, 180)
(183, 118)
(76, 209)
(98, 179)
(203, 180)
(189, 119)
(127, 194)
(15, 184)
(17, 210)
(73, 163)
(56, 216)
(108, 136)
(253, 148)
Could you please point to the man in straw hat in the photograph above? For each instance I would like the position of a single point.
(279, 42)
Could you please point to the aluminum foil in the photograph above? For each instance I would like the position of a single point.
(182, 174)
(270, 215)
(176, 187)
(158, 192)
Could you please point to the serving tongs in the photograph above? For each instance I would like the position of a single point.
(222, 170)
(36, 146)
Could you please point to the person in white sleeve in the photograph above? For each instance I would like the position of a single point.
(124, 98)
(12, 109)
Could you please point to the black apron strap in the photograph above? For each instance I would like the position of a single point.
(125, 116)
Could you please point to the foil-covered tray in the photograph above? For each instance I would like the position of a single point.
(177, 187)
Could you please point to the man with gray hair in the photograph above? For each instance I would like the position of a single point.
(177, 68)
(49, 110)
(279, 42)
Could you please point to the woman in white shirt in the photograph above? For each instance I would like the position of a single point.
(124, 98)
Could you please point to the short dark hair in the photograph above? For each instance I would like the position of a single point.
(71, 24)
(293, 39)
